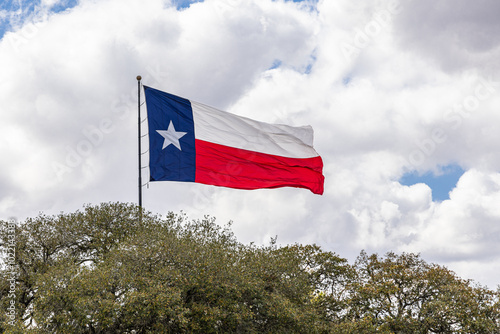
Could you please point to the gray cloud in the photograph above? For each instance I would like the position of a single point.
(457, 35)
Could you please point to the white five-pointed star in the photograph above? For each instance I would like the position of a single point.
(171, 136)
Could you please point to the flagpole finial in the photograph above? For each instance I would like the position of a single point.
(139, 78)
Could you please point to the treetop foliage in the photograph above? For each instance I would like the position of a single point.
(115, 268)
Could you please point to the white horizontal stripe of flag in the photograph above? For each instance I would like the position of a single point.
(223, 128)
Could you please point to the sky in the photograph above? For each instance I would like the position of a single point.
(403, 97)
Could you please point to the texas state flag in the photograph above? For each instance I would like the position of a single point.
(192, 142)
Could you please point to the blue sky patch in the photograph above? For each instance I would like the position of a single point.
(14, 13)
(276, 64)
(441, 184)
(63, 5)
(312, 61)
(183, 4)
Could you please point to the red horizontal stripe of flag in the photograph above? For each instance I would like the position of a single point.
(225, 166)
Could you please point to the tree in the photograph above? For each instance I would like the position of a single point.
(404, 294)
(107, 270)
(62, 246)
(115, 268)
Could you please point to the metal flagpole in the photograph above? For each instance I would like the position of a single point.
(139, 130)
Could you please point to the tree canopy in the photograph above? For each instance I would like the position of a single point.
(114, 268)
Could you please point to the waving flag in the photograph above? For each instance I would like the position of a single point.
(192, 142)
